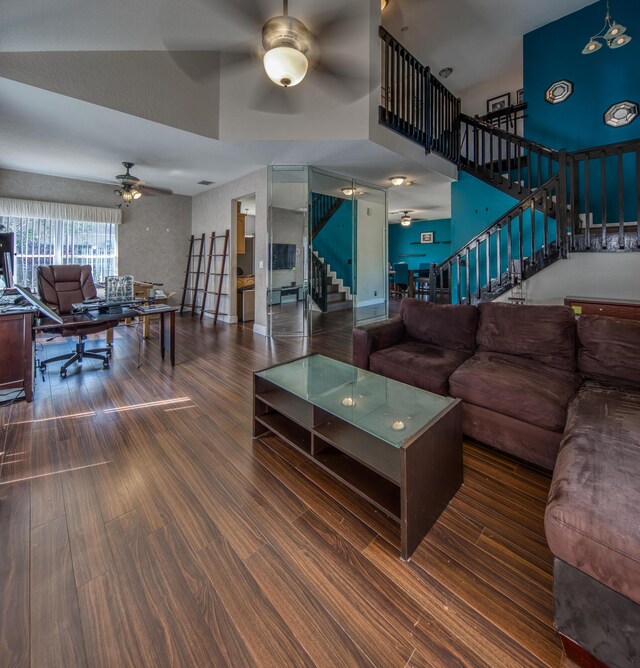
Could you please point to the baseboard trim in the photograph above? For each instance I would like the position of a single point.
(260, 329)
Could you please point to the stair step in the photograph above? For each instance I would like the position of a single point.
(332, 287)
(335, 297)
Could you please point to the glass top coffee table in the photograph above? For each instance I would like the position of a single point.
(396, 445)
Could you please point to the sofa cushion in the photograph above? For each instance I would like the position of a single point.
(419, 364)
(609, 349)
(546, 334)
(521, 388)
(451, 326)
(591, 520)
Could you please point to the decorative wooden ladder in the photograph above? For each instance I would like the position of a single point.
(196, 252)
(219, 275)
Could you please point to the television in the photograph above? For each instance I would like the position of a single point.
(7, 250)
(283, 256)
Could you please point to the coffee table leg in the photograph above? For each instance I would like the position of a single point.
(431, 475)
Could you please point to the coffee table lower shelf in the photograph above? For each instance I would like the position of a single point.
(411, 484)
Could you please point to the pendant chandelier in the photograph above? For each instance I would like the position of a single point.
(612, 33)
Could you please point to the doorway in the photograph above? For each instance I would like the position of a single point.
(245, 259)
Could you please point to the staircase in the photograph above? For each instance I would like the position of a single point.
(327, 290)
(567, 202)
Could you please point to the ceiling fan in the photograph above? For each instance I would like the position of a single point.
(131, 188)
(292, 52)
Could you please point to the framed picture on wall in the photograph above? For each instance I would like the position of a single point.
(520, 96)
(426, 237)
(501, 102)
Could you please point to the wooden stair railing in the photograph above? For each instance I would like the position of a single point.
(589, 195)
(604, 197)
(322, 209)
(318, 282)
(522, 242)
(511, 163)
(415, 103)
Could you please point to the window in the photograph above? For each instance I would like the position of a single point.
(46, 241)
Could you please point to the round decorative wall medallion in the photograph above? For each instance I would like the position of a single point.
(558, 91)
(621, 113)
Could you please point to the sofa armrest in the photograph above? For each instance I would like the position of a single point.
(367, 339)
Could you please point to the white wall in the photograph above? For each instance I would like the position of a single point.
(215, 210)
(154, 235)
(612, 275)
(474, 99)
(371, 259)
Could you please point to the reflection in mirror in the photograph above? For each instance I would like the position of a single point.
(287, 241)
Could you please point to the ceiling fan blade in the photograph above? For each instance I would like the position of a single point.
(240, 57)
(336, 23)
(339, 83)
(272, 99)
(149, 190)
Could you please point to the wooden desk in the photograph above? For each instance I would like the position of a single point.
(142, 290)
(628, 309)
(167, 326)
(16, 351)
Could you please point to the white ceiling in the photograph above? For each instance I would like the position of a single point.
(480, 39)
(48, 133)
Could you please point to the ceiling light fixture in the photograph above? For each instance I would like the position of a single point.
(286, 41)
(383, 5)
(405, 220)
(445, 72)
(612, 34)
(347, 191)
(398, 180)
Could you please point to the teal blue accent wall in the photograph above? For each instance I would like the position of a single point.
(334, 242)
(474, 206)
(600, 79)
(404, 241)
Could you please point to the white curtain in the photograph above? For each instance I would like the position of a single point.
(25, 208)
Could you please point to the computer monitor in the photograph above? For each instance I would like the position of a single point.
(40, 305)
(7, 249)
(7, 270)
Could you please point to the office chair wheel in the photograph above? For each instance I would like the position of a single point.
(43, 366)
(106, 365)
(63, 373)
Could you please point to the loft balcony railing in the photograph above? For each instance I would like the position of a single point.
(415, 104)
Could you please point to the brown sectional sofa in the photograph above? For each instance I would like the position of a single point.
(560, 393)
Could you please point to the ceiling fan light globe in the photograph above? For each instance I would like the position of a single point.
(127, 196)
(135, 193)
(591, 47)
(405, 222)
(285, 66)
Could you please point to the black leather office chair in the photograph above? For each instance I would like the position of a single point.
(61, 286)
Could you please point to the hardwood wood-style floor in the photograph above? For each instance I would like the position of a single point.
(140, 525)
